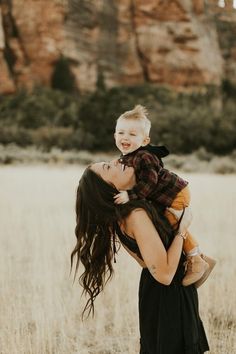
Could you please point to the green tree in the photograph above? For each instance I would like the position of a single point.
(62, 78)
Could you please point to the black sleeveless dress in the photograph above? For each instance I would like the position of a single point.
(169, 319)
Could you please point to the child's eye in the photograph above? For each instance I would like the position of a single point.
(120, 133)
(132, 134)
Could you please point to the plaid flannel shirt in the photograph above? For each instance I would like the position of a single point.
(154, 182)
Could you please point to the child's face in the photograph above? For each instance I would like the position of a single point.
(130, 135)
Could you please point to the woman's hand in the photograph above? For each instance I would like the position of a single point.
(186, 219)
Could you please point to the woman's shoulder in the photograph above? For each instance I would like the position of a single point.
(137, 212)
(136, 217)
(133, 221)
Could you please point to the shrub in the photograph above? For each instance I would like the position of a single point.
(62, 78)
(184, 122)
(223, 165)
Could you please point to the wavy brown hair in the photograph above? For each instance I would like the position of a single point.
(97, 217)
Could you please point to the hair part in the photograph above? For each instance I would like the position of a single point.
(140, 114)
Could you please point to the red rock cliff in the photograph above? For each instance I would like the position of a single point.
(173, 42)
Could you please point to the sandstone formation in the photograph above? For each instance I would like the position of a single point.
(175, 45)
(129, 42)
(33, 40)
(6, 82)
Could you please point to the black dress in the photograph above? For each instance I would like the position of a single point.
(168, 315)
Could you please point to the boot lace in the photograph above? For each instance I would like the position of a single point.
(188, 265)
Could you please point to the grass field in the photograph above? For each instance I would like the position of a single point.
(39, 305)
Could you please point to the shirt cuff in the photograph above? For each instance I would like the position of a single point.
(132, 195)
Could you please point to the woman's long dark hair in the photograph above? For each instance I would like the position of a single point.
(96, 220)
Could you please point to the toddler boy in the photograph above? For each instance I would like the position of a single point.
(157, 184)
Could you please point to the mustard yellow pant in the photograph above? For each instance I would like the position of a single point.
(181, 201)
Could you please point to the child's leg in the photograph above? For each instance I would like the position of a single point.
(190, 246)
(181, 201)
(196, 266)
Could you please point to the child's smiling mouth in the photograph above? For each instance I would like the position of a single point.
(125, 145)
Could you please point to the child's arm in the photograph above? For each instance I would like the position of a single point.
(146, 167)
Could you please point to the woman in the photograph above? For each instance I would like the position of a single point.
(168, 312)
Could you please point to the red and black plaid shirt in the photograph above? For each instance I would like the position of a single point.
(154, 182)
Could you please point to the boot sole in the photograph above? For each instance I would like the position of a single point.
(212, 264)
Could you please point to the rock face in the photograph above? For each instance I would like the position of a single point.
(6, 82)
(226, 27)
(128, 42)
(32, 41)
(175, 43)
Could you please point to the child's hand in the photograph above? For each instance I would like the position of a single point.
(121, 198)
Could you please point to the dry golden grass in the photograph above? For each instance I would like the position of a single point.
(40, 307)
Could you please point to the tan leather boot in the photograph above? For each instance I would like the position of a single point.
(195, 267)
(211, 262)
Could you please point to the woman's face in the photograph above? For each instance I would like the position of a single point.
(113, 172)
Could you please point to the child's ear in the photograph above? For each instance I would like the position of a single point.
(115, 136)
(146, 141)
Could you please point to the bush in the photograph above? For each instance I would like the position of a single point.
(62, 78)
(15, 134)
(223, 165)
(184, 122)
(43, 107)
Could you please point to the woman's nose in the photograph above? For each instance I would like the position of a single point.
(115, 162)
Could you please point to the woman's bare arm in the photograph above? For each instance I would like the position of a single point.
(140, 262)
(162, 264)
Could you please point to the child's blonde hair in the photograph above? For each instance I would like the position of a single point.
(138, 113)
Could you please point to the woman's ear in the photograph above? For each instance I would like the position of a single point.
(146, 141)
